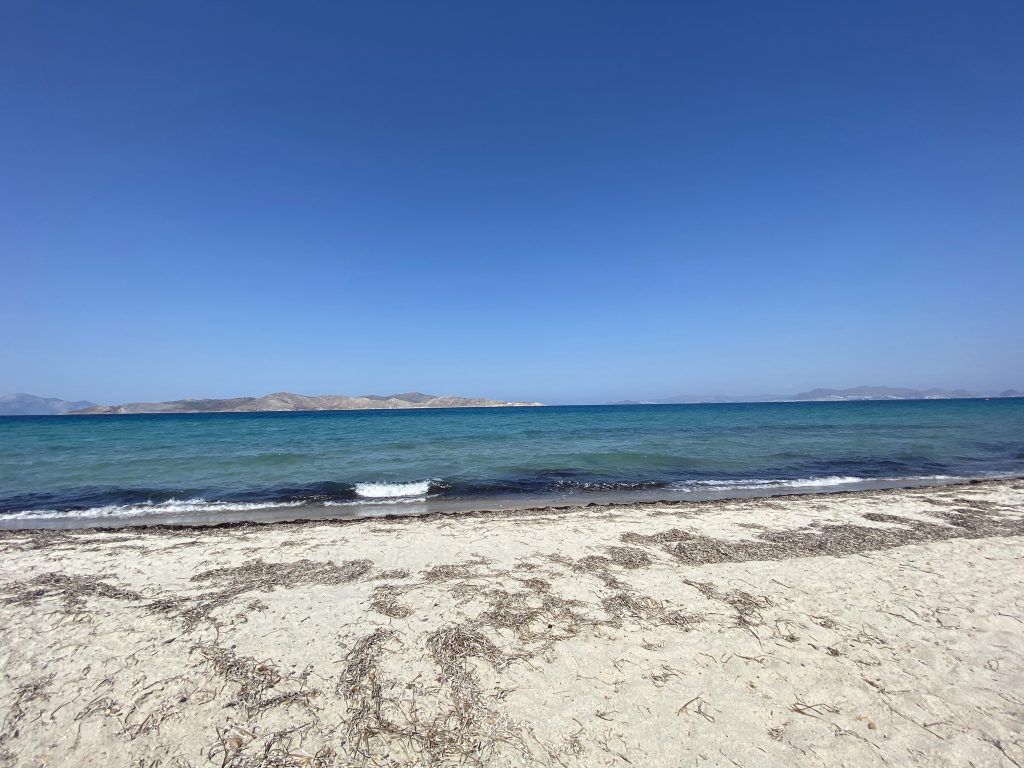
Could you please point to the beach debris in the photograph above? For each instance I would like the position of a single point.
(395, 574)
(449, 571)
(829, 539)
(71, 589)
(385, 601)
(444, 723)
(697, 706)
(259, 575)
(255, 575)
(642, 608)
(629, 557)
(407, 693)
(260, 685)
(24, 695)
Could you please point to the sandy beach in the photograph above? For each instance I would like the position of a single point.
(858, 629)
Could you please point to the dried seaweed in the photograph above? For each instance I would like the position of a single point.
(450, 571)
(71, 589)
(748, 606)
(535, 583)
(449, 724)
(695, 549)
(36, 540)
(266, 577)
(279, 749)
(362, 659)
(407, 716)
(385, 601)
(646, 609)
(591, 563)
(24, 695)
(600, 566)
(257, 683)
(629, 557)
(393, 575)
(452, 645)
(254, 575)
(539, 616)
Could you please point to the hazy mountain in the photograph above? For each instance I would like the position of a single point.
(835, 395)
(709, 399)
(884, 393)
(286, 401)
(20, 404)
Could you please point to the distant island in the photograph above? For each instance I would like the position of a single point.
(286, 401)
(20, 404)
(822, 395)
(897, 393)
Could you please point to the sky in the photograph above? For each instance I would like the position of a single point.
(559, 201)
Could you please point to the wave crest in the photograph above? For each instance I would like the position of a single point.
(418, 488)
(170, 507)
(801, 482)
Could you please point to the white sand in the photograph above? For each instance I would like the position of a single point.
(539, 638)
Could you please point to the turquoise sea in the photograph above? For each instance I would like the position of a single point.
(60, 471)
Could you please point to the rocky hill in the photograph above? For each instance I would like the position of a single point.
(287, 401)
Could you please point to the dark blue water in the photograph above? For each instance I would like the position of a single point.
(88, 470)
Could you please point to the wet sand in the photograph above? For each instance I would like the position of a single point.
(867, 628)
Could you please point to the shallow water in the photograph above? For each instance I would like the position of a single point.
(97, 470)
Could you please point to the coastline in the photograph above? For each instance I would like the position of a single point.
(212, 467)
(855, 628)
(208, 516)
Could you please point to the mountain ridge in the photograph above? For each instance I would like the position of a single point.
(825, 394)
(21, 404)
(289, 401)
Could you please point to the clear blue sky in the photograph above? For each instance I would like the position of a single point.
(564, 201)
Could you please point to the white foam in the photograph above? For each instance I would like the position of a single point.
(375, 502)
(392, 490)
(803, 482)
(171, 506)
(403, 493)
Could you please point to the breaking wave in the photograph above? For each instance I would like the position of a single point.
(169, 507)
(108, 506)
(392, 490)
(802, 482)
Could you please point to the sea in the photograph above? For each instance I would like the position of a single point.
(85, 471)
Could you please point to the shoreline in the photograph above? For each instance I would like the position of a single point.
(272, 515)
(859, 628)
